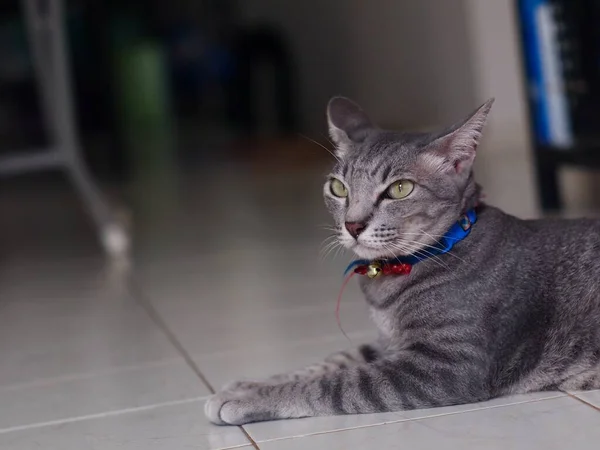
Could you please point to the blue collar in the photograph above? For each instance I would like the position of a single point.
(456, 233)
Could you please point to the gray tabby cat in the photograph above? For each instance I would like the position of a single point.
(514, 308)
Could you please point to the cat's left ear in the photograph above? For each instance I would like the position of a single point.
(454, 151)
(348, 124)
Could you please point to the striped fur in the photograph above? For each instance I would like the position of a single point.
(514, 308)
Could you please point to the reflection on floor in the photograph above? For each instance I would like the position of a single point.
(226, 282)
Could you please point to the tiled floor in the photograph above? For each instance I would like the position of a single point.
(226, 282)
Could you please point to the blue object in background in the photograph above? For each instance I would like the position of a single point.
(547, 90)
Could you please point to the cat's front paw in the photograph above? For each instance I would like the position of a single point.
(243, 386)
(230, 408)
(213, 406)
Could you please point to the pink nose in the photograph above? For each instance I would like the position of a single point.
(355, 228)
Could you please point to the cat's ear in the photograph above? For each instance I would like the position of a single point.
(454, 151)
(348, 123)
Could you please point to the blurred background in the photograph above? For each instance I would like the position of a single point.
(188, 85)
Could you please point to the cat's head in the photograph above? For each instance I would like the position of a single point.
(394, 193)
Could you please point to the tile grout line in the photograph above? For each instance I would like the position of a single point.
(102, 415)
(138, 295)
(90, 375)
(581, 400)
(252, 441)
(416, 419)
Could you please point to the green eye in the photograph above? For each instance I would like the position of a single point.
(337, 188)
(400, 189)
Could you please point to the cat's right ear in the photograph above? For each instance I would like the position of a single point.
(348, 123)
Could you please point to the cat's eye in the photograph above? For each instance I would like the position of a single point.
(400, 189)
(337, 188)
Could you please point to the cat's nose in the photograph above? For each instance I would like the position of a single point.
(355, 228)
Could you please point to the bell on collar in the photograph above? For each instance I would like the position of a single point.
(465, 222)
(373, 270)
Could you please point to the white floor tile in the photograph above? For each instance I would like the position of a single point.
(47, 333)
(239, 309)
(74, 342)
(550, 425)
(265, 431)
(58, 400)
(245, 332)
(167, 427)
(261, 362)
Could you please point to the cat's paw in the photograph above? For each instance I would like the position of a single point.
(212, 407)
(229, 408)
(243, 386)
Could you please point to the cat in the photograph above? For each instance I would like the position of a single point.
(513, 308)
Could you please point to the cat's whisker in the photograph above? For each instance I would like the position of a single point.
(328, 140)
(326, 249)
(423, 232)
(338, 251)
(331, 236)
(393, 249)
(404, 248)
(449, 252)
(327, 226)
(326, 254)
(431, 256)
(432, 236)
(327, 243)
(328, 238)
(335, 245)
(399, 246)
(420, 251)
(436, 249)
(335, 249)
(419, 243)
(388, 248)
(320, 145)
(420, 233)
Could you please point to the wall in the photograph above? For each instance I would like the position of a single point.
(504, 166)
(405, 61)
(417, 64)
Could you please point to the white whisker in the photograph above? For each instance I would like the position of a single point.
(449, 253)
(330, 248)
(327, 225)
(327, 244)
(320, 145)
(328, 140)
(328, 240)
(420, 233)
(434, 248)
(339, 251)
(422, 252)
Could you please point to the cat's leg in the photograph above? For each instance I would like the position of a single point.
(583, 380)
(410, 380)
(362, 354)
